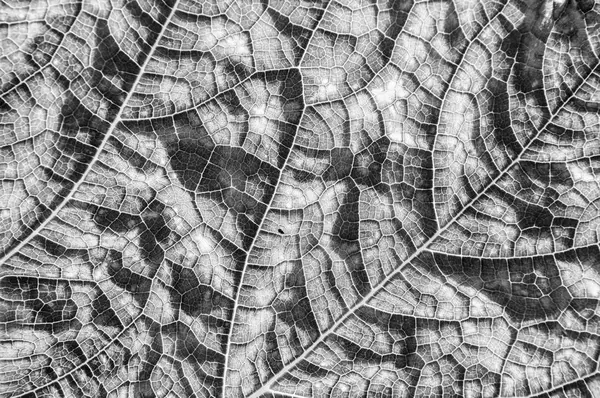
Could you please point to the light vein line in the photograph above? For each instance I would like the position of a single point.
(268, 208)
(101, 146)
(424, 248)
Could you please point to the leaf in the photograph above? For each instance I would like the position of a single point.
(295, 199)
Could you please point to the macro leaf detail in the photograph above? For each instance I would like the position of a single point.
(298, 198)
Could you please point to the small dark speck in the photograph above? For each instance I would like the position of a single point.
(280, 231)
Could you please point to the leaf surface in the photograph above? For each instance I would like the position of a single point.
(299, 198)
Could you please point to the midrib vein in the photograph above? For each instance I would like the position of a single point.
(76, 186)
(424, 248)
(267, 209)
(103, 144)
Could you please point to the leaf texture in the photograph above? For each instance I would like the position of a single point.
(297, 198)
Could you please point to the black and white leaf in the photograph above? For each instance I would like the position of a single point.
(297, 198)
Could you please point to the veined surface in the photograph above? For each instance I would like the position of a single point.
(299, 198)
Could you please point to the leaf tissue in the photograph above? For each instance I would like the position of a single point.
(299, 198)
